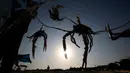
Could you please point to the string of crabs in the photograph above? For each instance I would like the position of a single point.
(78, 28)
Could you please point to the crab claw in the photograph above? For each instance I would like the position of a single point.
(64, 45)
(66, 57)
(45, 45)
(109, 30)
(33, 51)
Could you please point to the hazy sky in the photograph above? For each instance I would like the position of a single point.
(94, 13)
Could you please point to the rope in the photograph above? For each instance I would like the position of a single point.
(114, 28)
(103, 30)
(71, 20)
(51, 26)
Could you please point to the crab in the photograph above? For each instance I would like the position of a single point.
(54, 13)
(83, 30)
(35, 36)
(115, 36)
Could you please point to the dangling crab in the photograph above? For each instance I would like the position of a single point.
(54, 13)
(83, 30)
(35, 36)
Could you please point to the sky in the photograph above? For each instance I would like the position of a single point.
(93, 13)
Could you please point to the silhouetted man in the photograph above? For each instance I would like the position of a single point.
(48, 67)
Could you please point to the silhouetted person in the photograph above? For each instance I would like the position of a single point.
(115, 36)
(35, 36)
(48, 67)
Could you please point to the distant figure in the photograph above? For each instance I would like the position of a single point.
(115, 36)
(48, 67)
(35, 36)
(54, 13)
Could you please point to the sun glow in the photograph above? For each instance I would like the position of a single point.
(68, 52)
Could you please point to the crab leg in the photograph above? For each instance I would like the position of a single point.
(45, 41)
(64, 39)
(73, 40)
(34, 46)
